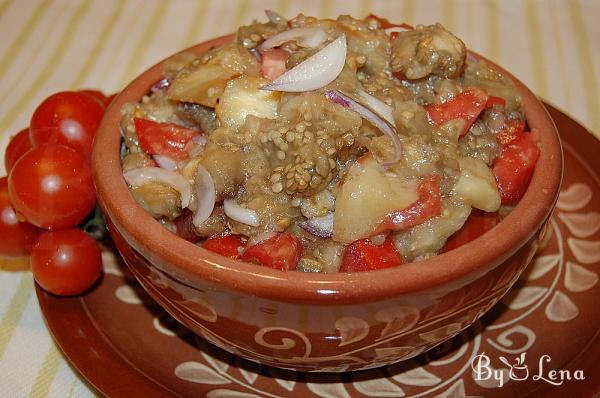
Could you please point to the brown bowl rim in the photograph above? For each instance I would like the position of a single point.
(196, 266)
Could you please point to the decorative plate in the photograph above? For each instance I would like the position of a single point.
(542, 339)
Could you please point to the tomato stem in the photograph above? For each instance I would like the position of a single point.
(96, 226)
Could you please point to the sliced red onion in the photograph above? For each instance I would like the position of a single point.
(339, 98)
(315, 72)
(378, 106)
(275, 17)
(165, 162)
(304, 37)
(319, 226)
(204, 188)
(240, 214)
(143, 175)
(160, 85)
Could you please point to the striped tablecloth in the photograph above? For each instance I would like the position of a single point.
(54, 45)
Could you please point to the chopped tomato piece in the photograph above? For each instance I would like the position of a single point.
(363, 255)
(167, 139)
(493, 100)
(281, 252)
(385, 23)
(466, 105)
(512, 130)
(476, 225)
(514, 166)
(225, 245)
(427, 206)
(273, 63)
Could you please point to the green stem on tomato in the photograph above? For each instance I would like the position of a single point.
(96, 226)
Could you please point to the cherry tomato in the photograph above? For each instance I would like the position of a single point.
(18, 145)
(66, 262)
(476, 225)
(95, 94)
(281, 252)
(16, 238)
(427, 206)
(167, 139)
(225, 245)
(363, 255)
(466, 105)
(51, 186)
(514, 167)
(67, 118)
(273, 63)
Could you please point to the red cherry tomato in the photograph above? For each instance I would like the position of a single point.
(363, 255)
(167, 139)
(514, 167)
(273, 63)
(66, 262)
(427, 206)
(67, 118)
(16, 238)
(95, 94)
(18, 145)
(281, 252)
(476, 225)
(51, 186)
(466, 105)
(225, 245)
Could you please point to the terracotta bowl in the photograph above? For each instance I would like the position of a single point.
(323, 322)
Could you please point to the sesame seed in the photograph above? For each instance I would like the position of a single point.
(300, 127)
(280, 155)
(290, 136)
(275, 177)
(255, 37)
(331, 151)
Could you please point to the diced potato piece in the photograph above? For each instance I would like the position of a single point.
(476, 185)
(202, 85)
(366, 196)
(243, 97)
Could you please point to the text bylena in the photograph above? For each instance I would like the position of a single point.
(519, 370)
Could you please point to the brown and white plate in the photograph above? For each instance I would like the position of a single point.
(541, 340)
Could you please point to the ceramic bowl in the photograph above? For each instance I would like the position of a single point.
(323, 322)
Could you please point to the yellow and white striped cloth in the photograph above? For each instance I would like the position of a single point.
(54, 45)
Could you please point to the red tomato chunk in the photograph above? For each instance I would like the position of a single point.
(281, 252)
(225, 245)
(466, 105)
(427, 206)
(166, 139)
(273, 63)
(363, 255)
(478, 223)
(514, 167)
